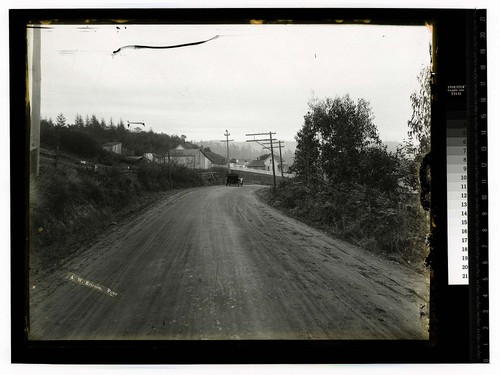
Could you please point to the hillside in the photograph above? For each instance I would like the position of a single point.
(247, 150)
(84, 139)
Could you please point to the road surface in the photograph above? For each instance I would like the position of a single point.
(218, 263)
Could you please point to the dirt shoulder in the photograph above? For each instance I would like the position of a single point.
(218, 263)
(55, 255)
(420, 267)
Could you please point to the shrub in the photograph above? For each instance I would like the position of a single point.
(68, 199)
(369, 217)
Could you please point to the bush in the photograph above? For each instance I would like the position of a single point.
(62, 200)
(157, 176)
(369, 217)
(67, 199)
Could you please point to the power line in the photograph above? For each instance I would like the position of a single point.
(280, 143)
(260, 142)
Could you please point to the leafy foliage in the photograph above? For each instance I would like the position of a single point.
(307, 165)
(61, 120)
(340, 143)
(357, 213)
(70, 139)
(419, 133)
(67, 202)
(347, 183)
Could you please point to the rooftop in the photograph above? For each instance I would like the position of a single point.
(111, 144)
(256, 163)
(178, 152)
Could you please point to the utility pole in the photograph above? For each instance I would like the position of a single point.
(280, 143)
(227, 140)
(272, 158)
(261, 142)
(281, 158)
(33, 94)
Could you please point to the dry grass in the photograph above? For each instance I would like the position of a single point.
(70, 206)
(395, 226)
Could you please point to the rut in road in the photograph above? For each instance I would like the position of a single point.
(217, 263)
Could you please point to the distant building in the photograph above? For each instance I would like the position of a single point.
(114, 147)
(154, 158)
(257, 164)
(268, 165)
(191, 158)
(240, 164)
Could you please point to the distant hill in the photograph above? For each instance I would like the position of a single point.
(247, 150)
(252, 151)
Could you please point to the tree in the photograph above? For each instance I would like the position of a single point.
(60, 120)
(79, 123)
(381, 169)
(306, 163)
(87, 121)
(419, 125)
(418, 144)
(94, 122)
(335, 140)
(121, 131)
(48, 134)
(77, 143)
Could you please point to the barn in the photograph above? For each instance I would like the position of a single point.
(191, 158)
(115, 147)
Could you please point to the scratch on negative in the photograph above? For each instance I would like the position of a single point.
(135, 46)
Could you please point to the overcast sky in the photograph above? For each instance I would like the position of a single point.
(253, 78)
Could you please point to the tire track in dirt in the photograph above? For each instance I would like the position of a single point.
(217, 263)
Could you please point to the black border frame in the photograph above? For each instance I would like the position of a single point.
(452, 313)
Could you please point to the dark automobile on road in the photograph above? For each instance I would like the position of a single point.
(233, 178)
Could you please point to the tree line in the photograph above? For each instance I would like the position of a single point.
(68, 204)
(84, 137)
(349, 184)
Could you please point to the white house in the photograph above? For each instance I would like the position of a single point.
(240, 164)
(268, 165)
(256, 164)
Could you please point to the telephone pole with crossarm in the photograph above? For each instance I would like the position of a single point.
(227, 140)
(261, 142)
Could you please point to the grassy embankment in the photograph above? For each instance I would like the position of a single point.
(70, 206)
(394, 227)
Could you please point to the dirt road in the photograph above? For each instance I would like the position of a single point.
(217, 263)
